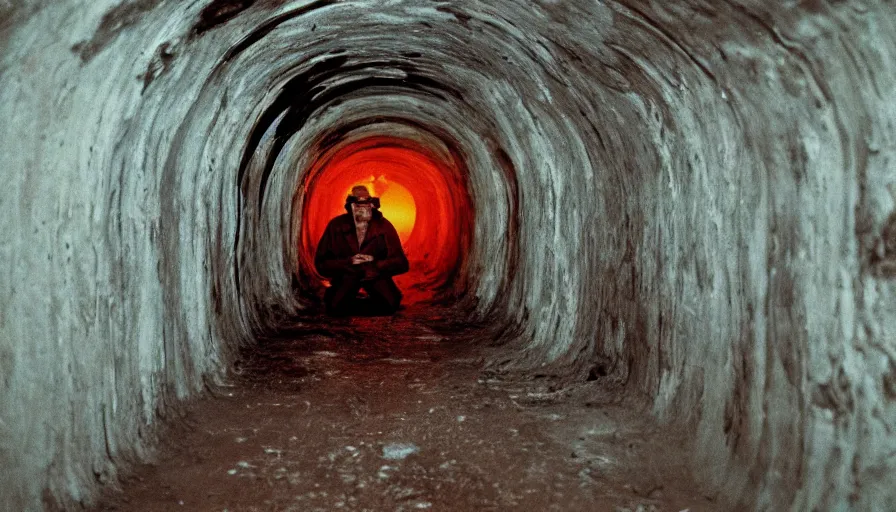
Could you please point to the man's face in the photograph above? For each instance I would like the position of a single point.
(362, 211)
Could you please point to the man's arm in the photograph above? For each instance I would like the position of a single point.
(325, 261)
(396, 262)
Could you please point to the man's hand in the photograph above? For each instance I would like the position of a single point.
(358, 259)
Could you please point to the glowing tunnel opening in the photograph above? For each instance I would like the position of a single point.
(419, 195)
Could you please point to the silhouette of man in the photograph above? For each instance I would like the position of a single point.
(361, 249)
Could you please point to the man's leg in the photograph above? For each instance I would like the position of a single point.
(385, 297)
(339, 298)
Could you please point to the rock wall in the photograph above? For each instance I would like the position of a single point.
(698, 197)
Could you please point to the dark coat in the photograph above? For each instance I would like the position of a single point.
(333, 258)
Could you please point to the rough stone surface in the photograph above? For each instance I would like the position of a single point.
(694, 198)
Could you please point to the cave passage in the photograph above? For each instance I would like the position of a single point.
(652, 243)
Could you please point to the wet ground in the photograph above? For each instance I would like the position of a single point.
(395, 414)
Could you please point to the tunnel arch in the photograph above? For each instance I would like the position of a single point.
(680, 191)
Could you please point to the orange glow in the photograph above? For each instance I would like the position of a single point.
(422, 196)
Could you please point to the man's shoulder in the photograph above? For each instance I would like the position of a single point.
(341, 220)
(340, 224)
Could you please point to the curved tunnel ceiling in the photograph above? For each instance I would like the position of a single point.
(682, 192)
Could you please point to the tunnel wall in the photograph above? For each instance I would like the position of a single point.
(698, 197)
(108, 320)
(768, 253)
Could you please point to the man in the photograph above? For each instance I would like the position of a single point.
(361, 249)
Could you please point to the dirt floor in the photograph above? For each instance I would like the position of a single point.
(393, 414)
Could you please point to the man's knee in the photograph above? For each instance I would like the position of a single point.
(385, 293)
(393, 299)
(340, 297)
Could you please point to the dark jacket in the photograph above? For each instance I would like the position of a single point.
(333, 258)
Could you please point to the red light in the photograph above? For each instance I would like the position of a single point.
(415, 196)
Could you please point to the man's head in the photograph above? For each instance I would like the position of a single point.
(361, 192)
(361, 203)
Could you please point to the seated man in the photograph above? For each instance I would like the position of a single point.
(361, 249)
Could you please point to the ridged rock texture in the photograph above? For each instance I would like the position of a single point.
(698, 196)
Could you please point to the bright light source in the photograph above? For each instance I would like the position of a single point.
(421, 196)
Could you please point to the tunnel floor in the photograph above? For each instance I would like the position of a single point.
(398, 414)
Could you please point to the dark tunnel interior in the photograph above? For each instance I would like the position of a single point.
(660, 217)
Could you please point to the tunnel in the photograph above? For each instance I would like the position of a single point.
(687, 205)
